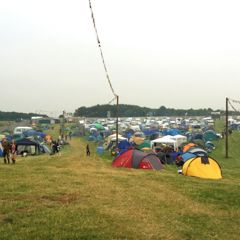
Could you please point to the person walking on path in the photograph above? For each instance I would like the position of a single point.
(88, 150)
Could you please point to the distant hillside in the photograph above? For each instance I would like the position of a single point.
(15, 116)
(137, 111)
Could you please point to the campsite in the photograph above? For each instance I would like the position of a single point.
(119, 120)
(47, 196)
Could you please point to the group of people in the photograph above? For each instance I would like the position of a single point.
(9, 151)
(167, 155)
(65, 136)
(164, 153)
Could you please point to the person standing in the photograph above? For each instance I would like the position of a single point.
(6, 150)
(88, 150)
(13, 151)
(70, 135)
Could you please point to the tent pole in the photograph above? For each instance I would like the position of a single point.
(226, 129)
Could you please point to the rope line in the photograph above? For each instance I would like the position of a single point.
(233, 107)
(112, 100)
(234, 101)
(101, 51)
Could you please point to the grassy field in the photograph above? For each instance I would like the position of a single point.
(75, 197)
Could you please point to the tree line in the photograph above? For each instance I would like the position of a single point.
(16, 116)
(125, 110)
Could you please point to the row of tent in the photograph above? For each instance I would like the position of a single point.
(132, 152)
(29, 142)
(30, 146)
(197, 163)
(156, 137)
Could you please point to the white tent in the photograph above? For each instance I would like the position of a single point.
(180, 139)
(113, 136)
(164, 140)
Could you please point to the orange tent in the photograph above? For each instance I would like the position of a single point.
(188, 146)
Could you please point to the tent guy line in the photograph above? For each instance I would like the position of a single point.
(231, 101)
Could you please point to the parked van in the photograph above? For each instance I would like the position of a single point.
(20, 130)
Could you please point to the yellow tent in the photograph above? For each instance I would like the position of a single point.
(202, 167)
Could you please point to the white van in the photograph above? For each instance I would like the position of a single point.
(20, 130)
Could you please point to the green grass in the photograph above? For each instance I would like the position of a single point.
(75, 197)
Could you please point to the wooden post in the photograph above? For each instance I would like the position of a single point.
(117, 113)
(226, 129)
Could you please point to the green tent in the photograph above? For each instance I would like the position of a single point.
(145, 144)
(210, 135)
(99, 126)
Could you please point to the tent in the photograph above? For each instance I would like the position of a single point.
(186, 156)
(30, 133)
(197, 151)
(133, 158)
(164, 140)
(188, 146)
(112, 144)
(138, 140)
(180, 139)
(113, 136)
(123, 145)
(210, 135)
(98, 126)
(45, 149)
(91, 138)
(202, 167)
(92, 130)
(209, 146)
(145, 145)
(28, 146)
(150, 132)
(171, 132)
(197, 136)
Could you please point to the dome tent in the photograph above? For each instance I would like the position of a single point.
(202, 167)
(133, 158)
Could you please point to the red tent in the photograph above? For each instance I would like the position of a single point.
(133, 158)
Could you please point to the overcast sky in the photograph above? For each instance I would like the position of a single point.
(180, 54)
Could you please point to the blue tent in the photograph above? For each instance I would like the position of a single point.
(91, 138)
(172, 132)
(149, 132)
(28, 146)
(123, 145)
(31, 133)
(186, 156)
(100, 149)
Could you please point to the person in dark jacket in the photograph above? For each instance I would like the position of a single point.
(55, 147)
(88, 150)
(6, 150)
